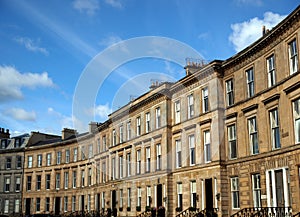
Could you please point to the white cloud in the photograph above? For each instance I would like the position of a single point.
(102, 111)
(114, 42)
(203, 36)
(20, 114)
(67, 121)
(31, 45)
(110, 40)
(114, 3)
(12, 81)
(247, 32)
(86, 6)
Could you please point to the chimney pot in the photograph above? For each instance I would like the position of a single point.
(263, 30)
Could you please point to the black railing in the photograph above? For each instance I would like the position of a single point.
(297, 215)
(264, 212)
(208, 213)
(153, 212)
(189, 212)
(146, 213)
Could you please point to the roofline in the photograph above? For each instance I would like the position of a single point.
(260, 42)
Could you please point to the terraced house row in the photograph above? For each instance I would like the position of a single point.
(226, 136)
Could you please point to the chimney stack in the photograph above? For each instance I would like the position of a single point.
(4, 133)
(93, 126)
(263, 30)
(67, 133)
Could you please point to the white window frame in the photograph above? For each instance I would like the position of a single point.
(7, 184)
(17, 206)
(57, 181)
(38, 182)
(192, 149)
(191, 111)
(231, 134)
(293, 56)
(296, 112)
(253, 135)
(128, 130)
(75, 154)
(158, 157)
(148, 196)
(121, 132)
(104, 143)
(138, 161)
(48, 181)
(157, 117)
(178, 153)
(229, 92)
(48, 159)
(114, 137)
(271, 70)
(177, 111)
(148, 123)
(121, 166)
(73, 203)
(66, 180)
(148, 159)
(205, 100)
(207, 146)
(67, 156)
(39, 160)
(128, 166)
(121, 198)
(179, 195)
(235, 192)
(103, 200)
(274, 128)
(82, 173)
(193, 190)
(250, 82)
(58, 157)
(65, 203)
(139, 196)
(74, 179)
(6, 206)
(138, 126)
(18, 184)
(256, 189)
(29, 163)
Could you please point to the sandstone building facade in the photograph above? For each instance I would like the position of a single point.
(11, 172)
(225, 136)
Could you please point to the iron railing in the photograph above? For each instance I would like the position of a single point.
(197, 212)
(208, 213)
(297, 214)
(264, 212)
(189, 212)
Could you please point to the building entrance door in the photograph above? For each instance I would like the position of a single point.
(27, 208)
(209, 194)
(57, 206)
(98, 203)
(159, 195)
(114, 203)
(82, 203)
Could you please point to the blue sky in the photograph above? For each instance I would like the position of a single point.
(47, 45)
